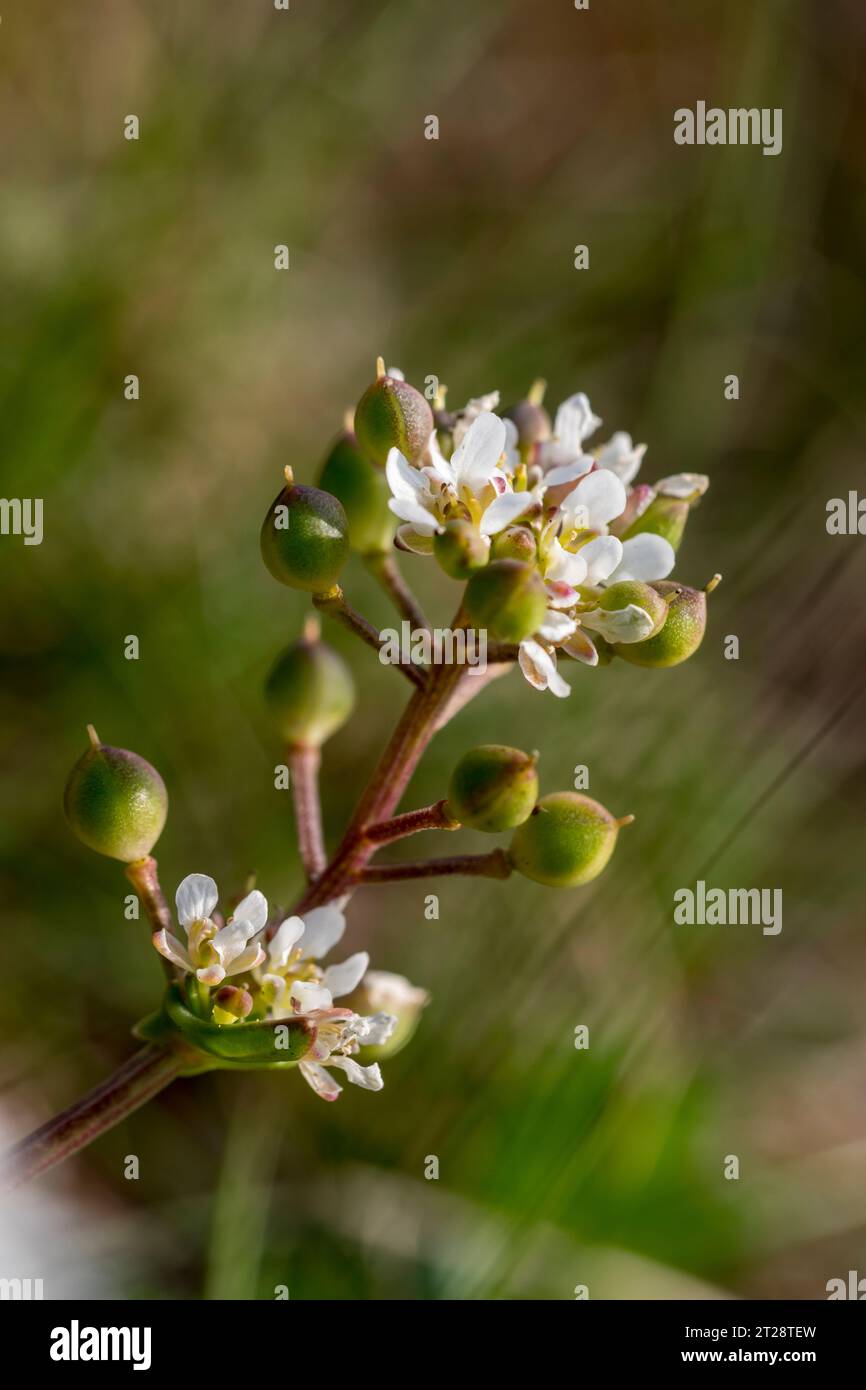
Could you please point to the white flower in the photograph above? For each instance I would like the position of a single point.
(211, 952)
(596, 500)
(472, 483)
(574, 423)
(292, 979)
(686, 486)
(621, 456)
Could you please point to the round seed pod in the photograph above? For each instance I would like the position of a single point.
(309, 691)
(515, 543)
(460, 549)
(493, 788)
(363, 491)
(633, 591)
(115, 802)
(508, 598)
(567, 840)
(305, 538)
(681, 635)
(391, 414)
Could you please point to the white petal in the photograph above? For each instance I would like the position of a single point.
(564, 565)
(196, 899)
(251, 912)
(581, 648)
(305, 995)
(629, 624)
(539, 668)
(601, 495)
(323, 927)
(478, 453)
(403, 480)
(321, 1081)
(342, 979)
(395, 373)
(645, 557)
(376, 1029)
(621, 456)
(229, 942)
(171, 948)
(556, 626)
(211, 974)
(439, 466)
(284, 940)
(370, 1078)
(574, 423)
(568, 472)
(251, 956)
(419, 542)
(503, 510)
(685, 485)
(407, 509)
(602, 556)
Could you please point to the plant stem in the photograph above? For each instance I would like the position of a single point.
(334, 604)
(387, 572)
(435, 817)
(304, 763)
(143, 876)
(136, 1081)
(493, 865)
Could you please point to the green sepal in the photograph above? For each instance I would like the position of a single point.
(271, 1044)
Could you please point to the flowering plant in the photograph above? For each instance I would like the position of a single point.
(565, 559)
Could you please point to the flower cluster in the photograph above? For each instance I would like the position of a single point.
(276, 975)
(577, 516)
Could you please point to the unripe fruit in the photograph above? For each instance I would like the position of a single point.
(515, 543)
(115, 802)
(391, 414)
(493, 788)
(305, 538)
(665, 517)
(566, 841)
(460, 549)
(508, 598)
(682, 633)
(309, 690)
(530, 417)
(363, 492)
(633, 591)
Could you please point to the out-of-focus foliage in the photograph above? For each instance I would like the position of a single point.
(453, 257)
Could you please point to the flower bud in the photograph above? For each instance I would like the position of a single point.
(309, 690)
(460, 549)
(364, 493)
(381, 992)
(115, 802)
(665, 516)
(515, 543)
(683, 630)
(508, 598)
(493, 788)
(391, 414)
(566, 841)
(304, 538)
(231, 1003)
(530, 417)
(634, 592)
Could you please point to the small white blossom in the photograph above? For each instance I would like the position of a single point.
(211, 952)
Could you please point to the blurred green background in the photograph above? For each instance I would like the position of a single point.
(452, 258)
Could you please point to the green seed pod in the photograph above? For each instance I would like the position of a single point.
(391, 414)
(272, 1042)
(515, 543)
(305, 538)
(493, 788)
(665, 517)
(682, 633)
(115, 802)
(633, 591)
(566, 841)
(530, 417)
(460, 549)
(508, 598)
(364, 493)
(309, 690)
